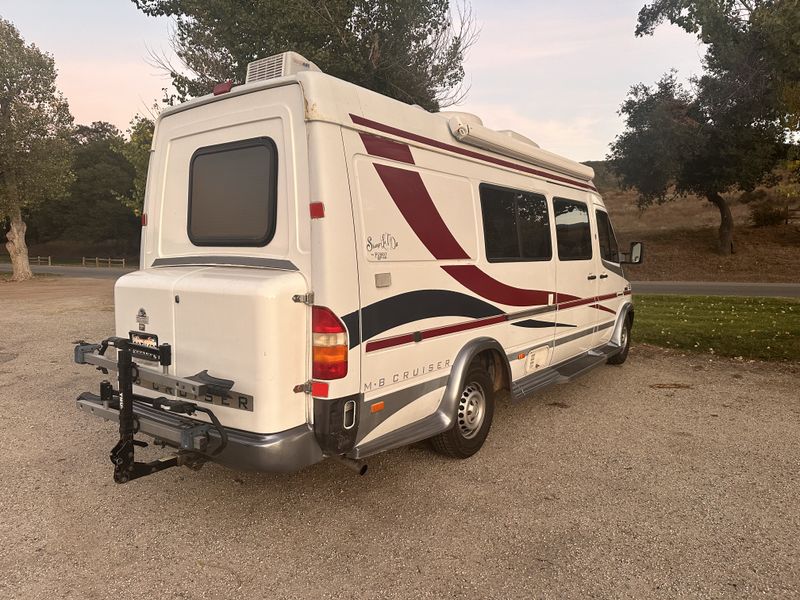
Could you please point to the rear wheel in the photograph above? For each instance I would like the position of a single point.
(473, 417)
(625, 342)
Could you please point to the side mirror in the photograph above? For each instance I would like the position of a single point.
(634, 257)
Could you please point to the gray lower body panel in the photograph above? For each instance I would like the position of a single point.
(563, 372)
(413, 432)
(287, 451)
(439, 421)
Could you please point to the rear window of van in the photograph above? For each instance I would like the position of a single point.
(233, 193)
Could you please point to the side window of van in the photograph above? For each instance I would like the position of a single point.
(516, 225)
(233, 193)
(609, 250)
(572, 229)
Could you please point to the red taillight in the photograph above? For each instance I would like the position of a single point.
(144, 219)
(329, 346)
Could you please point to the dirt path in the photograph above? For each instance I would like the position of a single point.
(670, 477)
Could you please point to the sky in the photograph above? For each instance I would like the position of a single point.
(555, 72)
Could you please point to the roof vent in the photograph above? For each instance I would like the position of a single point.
(280, 65)
(519, 137)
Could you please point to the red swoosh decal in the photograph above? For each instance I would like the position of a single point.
(469, 153)
(476, 280)
(386, 148)
(599, 307)
(411, 196)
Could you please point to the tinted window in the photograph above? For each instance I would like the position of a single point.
(572, 230)
(608, 242)
(516, 225)
(233, 194)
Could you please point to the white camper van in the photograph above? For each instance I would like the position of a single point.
(328, 272)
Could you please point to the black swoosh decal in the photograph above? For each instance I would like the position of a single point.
(532, 324)
(414, 306)
(351, 321)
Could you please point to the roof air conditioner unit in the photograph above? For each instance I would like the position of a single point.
(280, 65)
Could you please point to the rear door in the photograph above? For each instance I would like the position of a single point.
(576, 279)
(228, 249)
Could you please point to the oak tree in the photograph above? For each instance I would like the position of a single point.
(97, 211)
(34, 138)
(136, 150)
(411, 50)
(729, 128)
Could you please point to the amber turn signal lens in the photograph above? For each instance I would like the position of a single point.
(330, 362)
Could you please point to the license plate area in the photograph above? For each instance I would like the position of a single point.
(144, 346)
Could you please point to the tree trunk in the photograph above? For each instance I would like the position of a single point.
(725, 224)
(17, 248)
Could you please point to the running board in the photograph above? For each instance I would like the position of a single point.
(563, 372)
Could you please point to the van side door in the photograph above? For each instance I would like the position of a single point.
(576, 279)
(518, 243)
(611, 280)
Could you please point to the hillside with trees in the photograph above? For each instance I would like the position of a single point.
(730, 128)
(681, 238)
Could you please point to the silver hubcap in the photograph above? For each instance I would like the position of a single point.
(624, 337)
(471, 410)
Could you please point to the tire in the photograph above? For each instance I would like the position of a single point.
(473, 417)
(621, 356)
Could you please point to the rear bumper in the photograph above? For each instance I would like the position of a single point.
(285, 452)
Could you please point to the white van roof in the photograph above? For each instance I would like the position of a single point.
(334, 100)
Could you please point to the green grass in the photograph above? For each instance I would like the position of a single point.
(749, 328)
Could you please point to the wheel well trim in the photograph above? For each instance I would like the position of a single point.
(458, 375)
(627, 309)
(443, 417)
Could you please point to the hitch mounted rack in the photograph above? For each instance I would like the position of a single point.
(194, 440)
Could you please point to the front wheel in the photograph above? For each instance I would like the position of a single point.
(625, 343)
(473, 417)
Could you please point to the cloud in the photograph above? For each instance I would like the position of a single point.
(109, 90)
(558, 74)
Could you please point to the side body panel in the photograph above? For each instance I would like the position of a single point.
(428, 289)
(334, 282)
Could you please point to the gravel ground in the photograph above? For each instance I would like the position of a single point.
(670, 477)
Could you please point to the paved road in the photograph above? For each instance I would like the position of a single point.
(70, 271)
(717, 288)
(690, 288)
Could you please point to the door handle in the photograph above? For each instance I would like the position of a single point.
(591, 277)
(604, 276)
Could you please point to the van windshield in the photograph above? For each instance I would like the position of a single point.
(233, 194)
